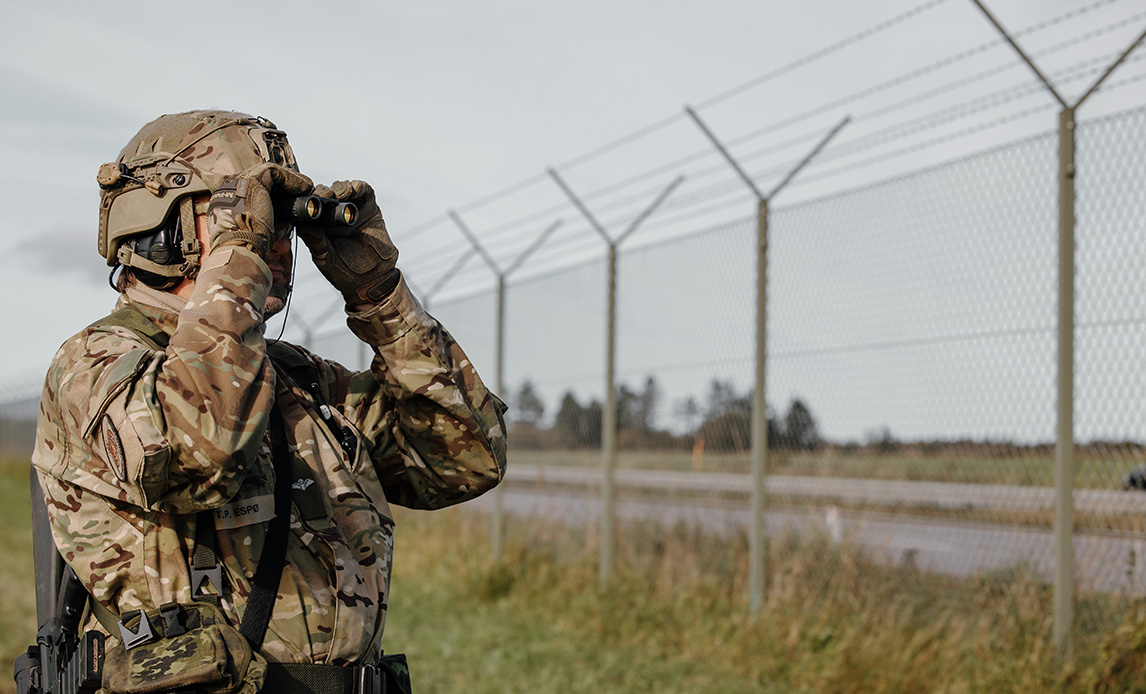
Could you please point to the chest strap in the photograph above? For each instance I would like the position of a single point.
(265, 584)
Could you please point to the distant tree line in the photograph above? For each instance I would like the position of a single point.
(724, 421)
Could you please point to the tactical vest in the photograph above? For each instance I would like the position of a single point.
(188, 639)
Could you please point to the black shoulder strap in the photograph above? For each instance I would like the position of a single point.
(265, 584)
(305, 375)
(293, 362)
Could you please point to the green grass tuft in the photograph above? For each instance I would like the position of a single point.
(17, 582)
(835, 619)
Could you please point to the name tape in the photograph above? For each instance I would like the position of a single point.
(243, 512)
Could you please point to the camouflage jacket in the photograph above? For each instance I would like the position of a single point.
(133, 442)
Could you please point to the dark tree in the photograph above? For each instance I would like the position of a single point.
(722, 399)
(577, 426)
(591, 423)
(567, 423)
(628, 406)
(647, 405)
(638, 411)
(530, 409)
(689, 411)
(800, 430)
(728, 422)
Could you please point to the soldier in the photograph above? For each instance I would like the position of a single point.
(168, 428)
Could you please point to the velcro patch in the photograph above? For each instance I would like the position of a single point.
(116, 459)
(243, 512)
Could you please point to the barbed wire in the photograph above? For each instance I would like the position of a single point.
(581, 240)
(495, 234)
(702, 201)
(885, 136)
(669, 120)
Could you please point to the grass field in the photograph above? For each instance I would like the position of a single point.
(834, 619)
(673, 618)
(983, 464)
(16, 579)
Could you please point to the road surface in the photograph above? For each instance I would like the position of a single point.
(1105, 564)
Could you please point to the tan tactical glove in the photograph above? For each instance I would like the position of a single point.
(358, 260)
(240, 211)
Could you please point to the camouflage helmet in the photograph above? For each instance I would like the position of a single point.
(168, 162)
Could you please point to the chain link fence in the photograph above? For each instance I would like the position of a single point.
(911, 372)
(912, 332)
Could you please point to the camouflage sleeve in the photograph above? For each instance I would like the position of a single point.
(172, 430)
(436, 433)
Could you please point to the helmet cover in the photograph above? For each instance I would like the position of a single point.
(171, 159)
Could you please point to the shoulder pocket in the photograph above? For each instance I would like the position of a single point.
(113, 381)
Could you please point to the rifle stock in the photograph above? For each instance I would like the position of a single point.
(61, 662)
(49, 564)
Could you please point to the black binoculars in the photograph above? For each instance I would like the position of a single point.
(311, 209)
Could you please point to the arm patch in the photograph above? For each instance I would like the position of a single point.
(113, 446)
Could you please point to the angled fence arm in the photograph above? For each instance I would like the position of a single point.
(728, 157)
(579, 205)
(533, 247)
(449, 273)
(474, 242)
(809, 156)
(1111, 69)
(651, 208)
(1022, 54)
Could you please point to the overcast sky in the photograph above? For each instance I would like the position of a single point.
(440, 104)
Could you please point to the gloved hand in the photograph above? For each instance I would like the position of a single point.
(359, 260)
(241, 212)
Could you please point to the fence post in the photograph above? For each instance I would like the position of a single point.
(1064, 438)
(1064, 435)
(496, 523)
(609, 428)
(609, 420)
(758, 539)
(757, 535)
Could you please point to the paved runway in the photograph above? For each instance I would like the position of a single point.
(1106, 564)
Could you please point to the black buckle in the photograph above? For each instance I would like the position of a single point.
(368, 681)
(172, 615)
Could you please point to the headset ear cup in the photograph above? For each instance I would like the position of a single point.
(162, 246)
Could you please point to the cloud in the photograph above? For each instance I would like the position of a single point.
(62, 250)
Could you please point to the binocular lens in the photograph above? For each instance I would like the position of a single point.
(311, 209)
(345, 213)
(304, 208)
